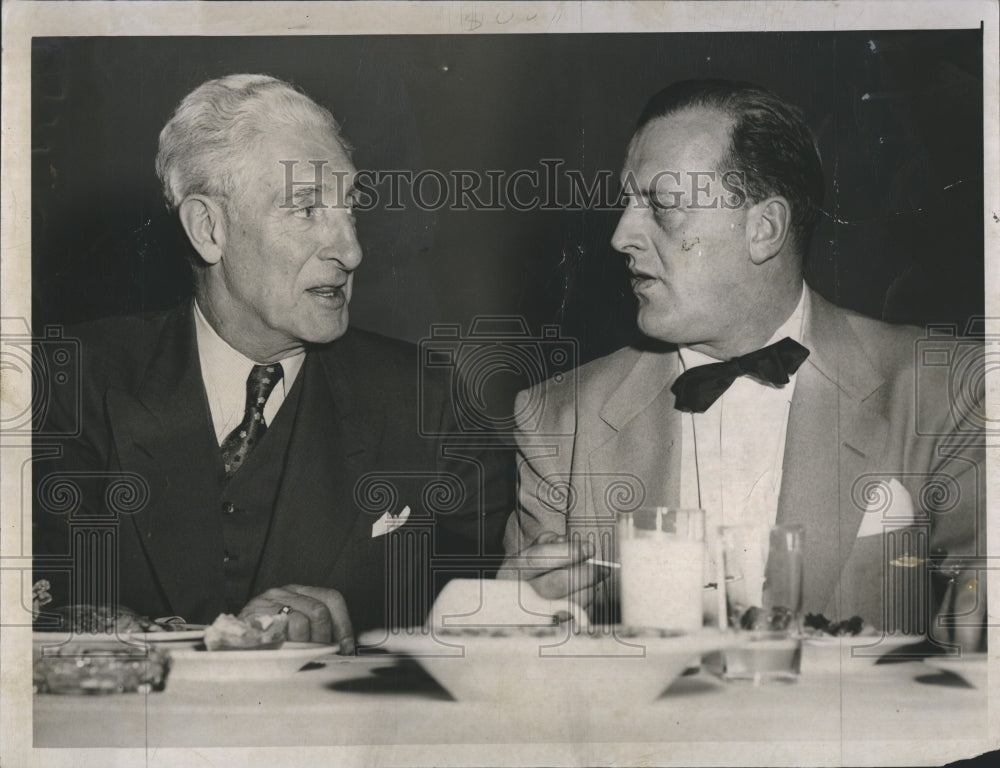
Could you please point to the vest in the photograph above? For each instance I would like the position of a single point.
(246, 502)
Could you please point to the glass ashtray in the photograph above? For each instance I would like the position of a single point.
(99, 667)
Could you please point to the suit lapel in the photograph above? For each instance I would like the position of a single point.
(833, 438)
(163, 433)
(334, 442)
(638, 458)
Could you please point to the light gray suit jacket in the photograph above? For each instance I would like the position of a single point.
(871, 405)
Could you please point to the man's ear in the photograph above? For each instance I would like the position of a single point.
(768, 223)
(205, 223)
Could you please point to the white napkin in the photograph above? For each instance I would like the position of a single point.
(880, 517)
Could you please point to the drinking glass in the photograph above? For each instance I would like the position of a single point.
(763, 589)
(661, 551)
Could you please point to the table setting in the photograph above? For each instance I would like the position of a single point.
(495, 664)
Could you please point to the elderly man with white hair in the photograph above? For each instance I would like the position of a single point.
(254, 420)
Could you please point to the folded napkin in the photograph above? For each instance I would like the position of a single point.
(388, 522)
(889, 508)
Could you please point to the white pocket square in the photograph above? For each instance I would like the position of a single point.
(889, 508)
(388, 523)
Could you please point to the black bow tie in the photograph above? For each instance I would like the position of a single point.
(697, 388)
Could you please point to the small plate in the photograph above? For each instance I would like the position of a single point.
(852, 640)
(190, 632)
(195, 663)
(835, 653)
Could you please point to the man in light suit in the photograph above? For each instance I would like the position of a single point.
(248, 451)
(833, 424)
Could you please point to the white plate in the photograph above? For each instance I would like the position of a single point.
(835, 654)
(169, 637)
(887, 641)
(552, 671)
(195, 663)
(191, 632)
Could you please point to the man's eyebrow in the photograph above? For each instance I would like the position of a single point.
(323, 195)
(307, 193)
(643, 193)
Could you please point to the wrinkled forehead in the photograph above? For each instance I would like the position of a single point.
(295, 159)
(689, 141)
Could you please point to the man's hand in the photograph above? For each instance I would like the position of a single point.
(316, 614)
(557, 568)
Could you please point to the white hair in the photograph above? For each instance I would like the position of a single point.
(204, 145)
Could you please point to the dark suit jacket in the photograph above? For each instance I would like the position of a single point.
(863, 414)
(142, 477)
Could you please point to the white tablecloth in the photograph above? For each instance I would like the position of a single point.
(842, 710)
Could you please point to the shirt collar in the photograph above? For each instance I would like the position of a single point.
(221, 363)
(792, 328)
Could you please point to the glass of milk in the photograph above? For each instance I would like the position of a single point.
(662, 554)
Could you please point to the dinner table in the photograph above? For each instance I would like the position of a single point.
(853, 704)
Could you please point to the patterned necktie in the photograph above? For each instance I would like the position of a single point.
(697, 388)
(245, 437)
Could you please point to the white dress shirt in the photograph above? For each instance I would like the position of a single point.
(225, 371)
(732, 454)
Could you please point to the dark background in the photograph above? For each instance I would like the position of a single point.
(898, 116)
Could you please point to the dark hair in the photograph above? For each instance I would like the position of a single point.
(770, 143)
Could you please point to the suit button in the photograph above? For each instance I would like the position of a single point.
(228, 507)
(228, 558)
